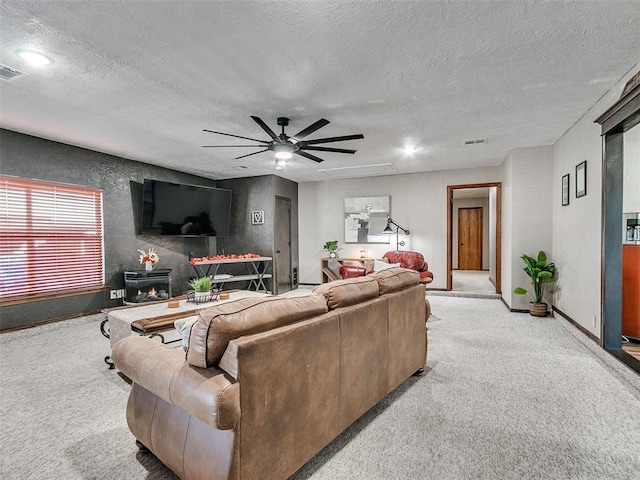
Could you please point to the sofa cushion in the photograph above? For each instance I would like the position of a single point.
(379, 265)
(394, 279)
(342, 293)
(219, 324)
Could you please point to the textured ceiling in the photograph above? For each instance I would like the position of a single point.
(142, 79)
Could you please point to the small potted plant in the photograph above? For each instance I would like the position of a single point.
(331, 246)
(541, 274)
(201, 287)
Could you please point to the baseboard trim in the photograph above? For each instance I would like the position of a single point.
(512, 310)
(51, 320)
(576, 324)
(437, 290)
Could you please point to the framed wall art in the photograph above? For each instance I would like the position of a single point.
(257, 217)
(565, 190)
(581, 179)
(365, 218)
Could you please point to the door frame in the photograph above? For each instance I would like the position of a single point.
(622, 116)
(450, 189)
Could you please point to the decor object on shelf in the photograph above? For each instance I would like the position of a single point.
(388, 230)
(541, 273)
(331, 246)
(364, 219)
(195, 260)
(149, 258)
(581, 179)
(201, 286)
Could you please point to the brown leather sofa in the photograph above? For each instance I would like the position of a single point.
(268, 382)
(406, 259)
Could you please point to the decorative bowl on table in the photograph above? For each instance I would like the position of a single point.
(201, 297)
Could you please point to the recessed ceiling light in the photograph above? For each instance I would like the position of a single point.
(34, 58)
(410, 150)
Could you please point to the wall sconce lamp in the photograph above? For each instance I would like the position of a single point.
(388, 229)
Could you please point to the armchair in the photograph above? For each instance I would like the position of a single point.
(406, 259)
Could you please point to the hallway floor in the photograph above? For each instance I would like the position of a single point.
(476, 281)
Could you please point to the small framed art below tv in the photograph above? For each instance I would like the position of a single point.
(185, 210)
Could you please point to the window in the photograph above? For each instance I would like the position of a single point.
(51, 237)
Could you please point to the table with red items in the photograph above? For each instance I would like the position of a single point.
(256, 266)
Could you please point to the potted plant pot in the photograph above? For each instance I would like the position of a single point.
(538, 309)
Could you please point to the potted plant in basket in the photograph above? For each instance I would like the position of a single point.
(541, 274)
(201, 287)
(331, 246)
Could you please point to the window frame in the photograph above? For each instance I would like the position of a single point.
(59, 234)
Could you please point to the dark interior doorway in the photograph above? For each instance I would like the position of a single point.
(282, 241)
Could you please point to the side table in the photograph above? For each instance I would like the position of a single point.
(329, 266)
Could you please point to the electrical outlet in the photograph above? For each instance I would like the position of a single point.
(594, 320)
(113, 294)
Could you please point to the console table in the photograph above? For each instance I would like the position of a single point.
(256, 271)
(330, 266)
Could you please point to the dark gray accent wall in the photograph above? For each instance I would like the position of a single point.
(258, 193)
(121, 180)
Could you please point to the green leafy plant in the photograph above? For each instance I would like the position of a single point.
(540, 272)
(201, 284)
(330, 245)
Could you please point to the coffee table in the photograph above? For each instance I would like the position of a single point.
(120, 319)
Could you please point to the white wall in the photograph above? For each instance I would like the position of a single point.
(418, 203)
(577, 227)
(469, 203)
(631, 179)
(527, 216)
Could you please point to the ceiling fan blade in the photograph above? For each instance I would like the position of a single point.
(237, 136)
(311, 128)
(231, 146)
(334, 139)
(308, 155)
(329, 149)
(266, 128)
(249, 154)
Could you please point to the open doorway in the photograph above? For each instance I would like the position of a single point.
(474, 237)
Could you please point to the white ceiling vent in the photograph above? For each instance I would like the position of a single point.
(8, 73)
(479, 141)
(362, 170)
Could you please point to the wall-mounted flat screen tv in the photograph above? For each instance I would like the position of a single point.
(185, 210)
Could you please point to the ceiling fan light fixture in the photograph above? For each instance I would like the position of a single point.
(283, 151)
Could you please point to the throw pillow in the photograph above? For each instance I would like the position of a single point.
(379, 265)
(183, 325)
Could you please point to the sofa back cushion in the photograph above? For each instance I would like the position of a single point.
(394, 279)
(217, 325)
(342, 293)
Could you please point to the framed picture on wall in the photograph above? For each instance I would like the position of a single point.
(581, 179)
(565, 190)
(365, 218)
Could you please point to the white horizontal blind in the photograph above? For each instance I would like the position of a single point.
(51, 237)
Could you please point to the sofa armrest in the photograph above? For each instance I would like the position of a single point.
(208, 394)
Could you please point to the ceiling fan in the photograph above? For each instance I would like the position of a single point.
(285, 146)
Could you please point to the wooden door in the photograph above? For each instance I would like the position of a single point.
(282, 259)
(470, 238)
